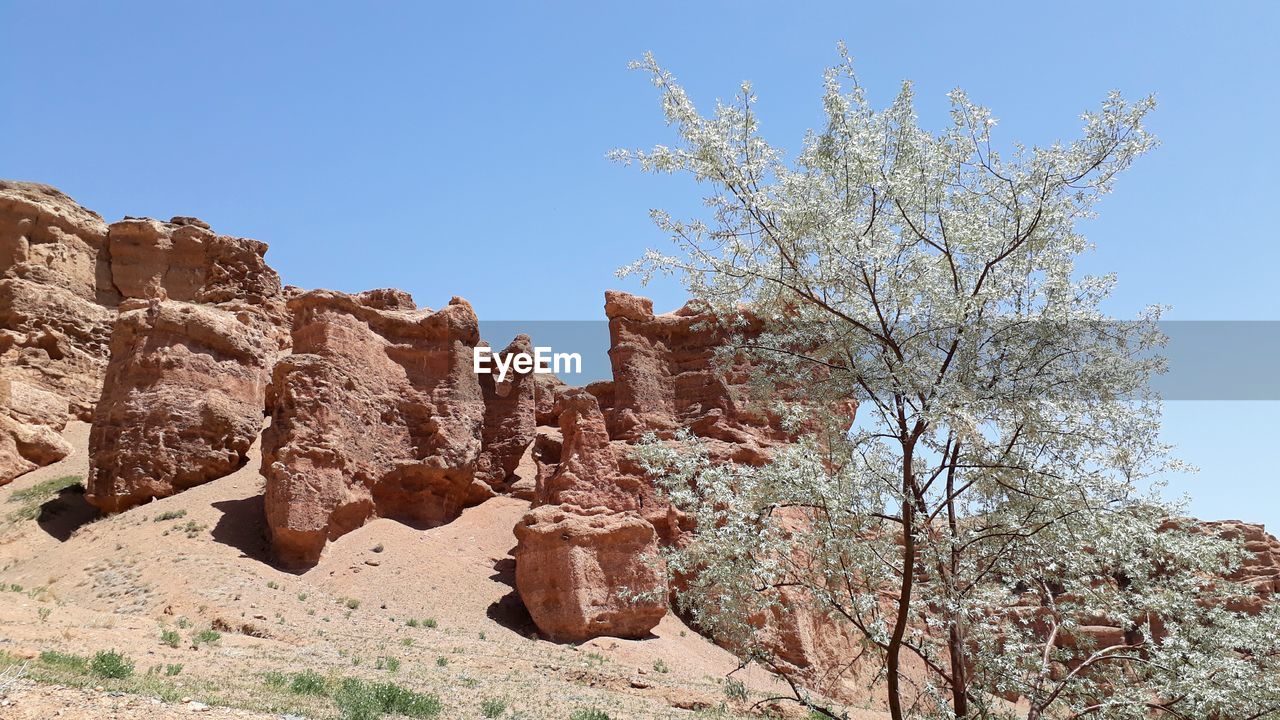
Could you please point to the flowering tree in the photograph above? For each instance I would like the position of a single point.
(990, 508)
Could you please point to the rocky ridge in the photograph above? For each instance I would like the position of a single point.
(178, 341)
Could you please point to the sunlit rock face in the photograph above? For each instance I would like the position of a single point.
(377, 413)
(182, 399)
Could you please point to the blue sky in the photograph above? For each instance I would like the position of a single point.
(459, 149)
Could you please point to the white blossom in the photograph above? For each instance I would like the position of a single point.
(1006, 438)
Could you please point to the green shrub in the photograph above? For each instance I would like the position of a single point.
(307, 682)
(660, 666)
(430, 622)
(493, 707)
(442, 661)
(172, 669)
(170, 638)
(588, 714)
(353, 603)
(170, 515)
(412, 622)
(206, 637)
(388, 663)
(111, 664)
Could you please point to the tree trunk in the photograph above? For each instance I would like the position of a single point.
(893, 656)
(959, 673)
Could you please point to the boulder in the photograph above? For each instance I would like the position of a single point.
(182, 399)
(378, 413)
(583, 573)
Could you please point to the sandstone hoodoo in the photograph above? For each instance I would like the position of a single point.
(376, 414)
(182, 399)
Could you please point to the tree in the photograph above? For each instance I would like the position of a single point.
(997, 489)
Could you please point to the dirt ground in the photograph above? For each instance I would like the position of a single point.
(432, 610)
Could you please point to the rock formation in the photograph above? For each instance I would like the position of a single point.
(376, 414)
(510, 419)
(55, 293)
(595, 502)
(63, 272)
(182, 400)
(189, 261)
(30, 422)
(1260, 569)
(665, 377)
(47, 238)
(587, 563)
(583, 573)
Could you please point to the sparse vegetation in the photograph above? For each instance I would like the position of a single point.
(589, 714)
(660, 666)
(172, 669)
(442, 661)
(735, 689)
(430, 622)
(170, 638)
(389, 664)
(192, 528)
(64, 661)
(170, 515)
(359, 700)
(352, 603)
(29, 500)
(273, 585)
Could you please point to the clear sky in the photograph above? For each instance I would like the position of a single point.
(459, 149)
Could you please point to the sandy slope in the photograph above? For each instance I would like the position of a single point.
(117, 582)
